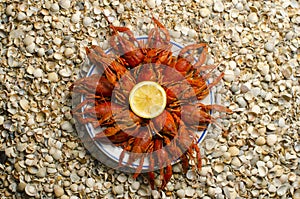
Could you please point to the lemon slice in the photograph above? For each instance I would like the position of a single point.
(147, 99)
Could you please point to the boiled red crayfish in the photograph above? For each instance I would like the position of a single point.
(167, 137)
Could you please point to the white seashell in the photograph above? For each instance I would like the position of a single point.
(151, 3)
(262, 171)
(31, 190)
(270, 46)
(54, 7)
(65, 72)
(66, 4)
(271, 127)
(180, 193)
(191, 175)
(234, 13)
(117, 190)
(122, 178)
(74, 187)
(204, 12)
(32, 170)
(68, 52)
(30, 48)
(28, 40)
(210, 144)
(67, 126)
(57, 56)
(155, 194)
(229, 75)
(256, 109)
(87, 21)
(218, 6)
(38, 73)
(144, 191)
(252, 17)
(134, 186)
(74, 177)
(272, 188)
(76, 17)
(281, 191)
(189, 191)
(90, 182)
(42, 171)
(21, 16)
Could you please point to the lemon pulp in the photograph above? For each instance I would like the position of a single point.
(147, 99)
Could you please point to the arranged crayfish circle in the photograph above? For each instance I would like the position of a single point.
(162, 139)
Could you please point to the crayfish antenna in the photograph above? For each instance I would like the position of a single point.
(216, 81)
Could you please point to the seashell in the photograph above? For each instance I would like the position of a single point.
(233, 150)
(74, 187)
(236, 162)
(180, 193)
(151, 3)
(281, 191)
(67, 126)
(31, 190)
(90, 182)
(24, 103)
(122, 178)
(287, 72)
(271, 127)
(1, 120)
(10, 152)
(229, 75)
(32, 169)
(144, 190)
(266, 119)
(58, 56)
(252, 18)
(66, 4)
(189, 191)
(42, 171)
(65, 72)
(117, 190)
(218, 6)
(155, 194)
(255, 109)
(21, 146)
(262, 171)
(296, 194)
(234, 13)
(191, 175)
(134, 186)
(21, 186)
(260, 141)
(107, 185)
(210, 144)
(271, 139)
(58, 191)
(219, 167)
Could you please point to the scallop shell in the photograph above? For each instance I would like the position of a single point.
(282, 189)
(191, 175)
(31, 190)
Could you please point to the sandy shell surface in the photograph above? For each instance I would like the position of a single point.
(256, 44)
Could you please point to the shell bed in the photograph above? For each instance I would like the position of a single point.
(162, 139)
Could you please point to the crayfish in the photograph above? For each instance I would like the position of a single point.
(163, 139)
